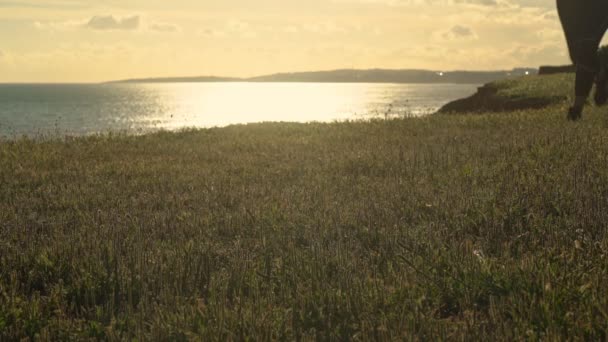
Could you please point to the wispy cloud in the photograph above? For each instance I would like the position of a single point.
(163, 27)
(49, 4)
(459, 32)
(232, 28)
(488, 3)
(109, 22)
(60, 25)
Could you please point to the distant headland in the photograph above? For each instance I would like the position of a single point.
(357, 76)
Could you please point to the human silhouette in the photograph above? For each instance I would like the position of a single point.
(584, 23)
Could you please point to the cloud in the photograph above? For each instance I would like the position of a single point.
(164, 27)
(550, 35)
(232, 28)
(546, 4)
(209, 32)
(60, 25)
(458, 32)
(479, 57)
(434, 2)
(478, 2)
(538, 3)
(240, 28)
(537, 54)
(109, 22)
(327, 27)
(66, 5)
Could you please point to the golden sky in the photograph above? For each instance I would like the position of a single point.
(99, 40)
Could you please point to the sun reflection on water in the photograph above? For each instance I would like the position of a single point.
(221, 104)
(89, 109)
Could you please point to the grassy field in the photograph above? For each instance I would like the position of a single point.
(486, 226)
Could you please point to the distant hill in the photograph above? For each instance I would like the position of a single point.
(359, 76)
(179, 79)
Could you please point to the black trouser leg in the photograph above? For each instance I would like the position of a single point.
(583, 83)
(584, 23)
(587, 66)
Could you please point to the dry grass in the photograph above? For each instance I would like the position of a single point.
(490, 227)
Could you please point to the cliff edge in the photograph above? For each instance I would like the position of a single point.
(530, 92)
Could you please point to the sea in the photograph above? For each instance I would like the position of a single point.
(47, 110)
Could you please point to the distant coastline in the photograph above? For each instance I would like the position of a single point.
(356, 76)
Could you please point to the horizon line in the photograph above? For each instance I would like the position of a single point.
(251, 79)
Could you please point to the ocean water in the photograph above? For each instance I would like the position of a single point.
(76, 109)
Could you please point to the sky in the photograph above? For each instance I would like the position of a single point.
(100, 40)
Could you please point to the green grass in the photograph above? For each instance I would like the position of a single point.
(487, 227)
(548, 87)
(515, 94)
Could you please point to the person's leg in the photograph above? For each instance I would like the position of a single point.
(601, 86)
(601, 81)
(570, 16)
(596, 24)
(583, 23)
(586, 69)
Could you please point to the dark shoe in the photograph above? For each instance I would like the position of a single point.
(575, 113)
(601, 90)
